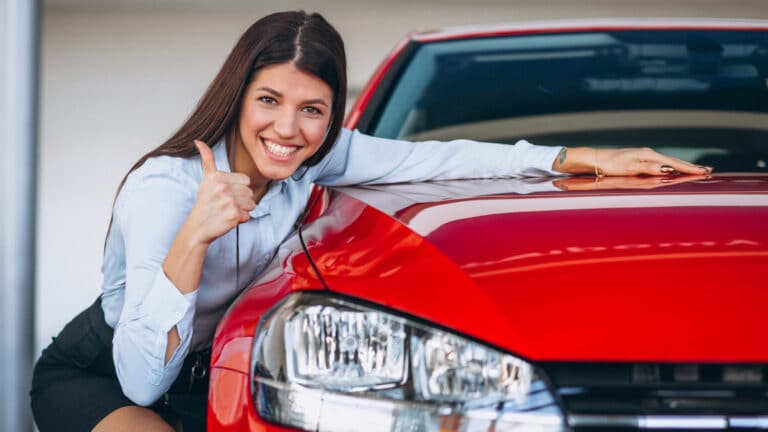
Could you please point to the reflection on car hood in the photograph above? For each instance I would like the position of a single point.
(670, 274)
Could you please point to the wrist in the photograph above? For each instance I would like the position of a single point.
(196, 240)
(193, 233)
(185, 259)
(598, 170)
(577, 160)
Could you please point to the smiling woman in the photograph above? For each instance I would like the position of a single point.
(192, 225)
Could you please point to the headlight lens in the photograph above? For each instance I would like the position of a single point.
(325, 364)
(343, 349)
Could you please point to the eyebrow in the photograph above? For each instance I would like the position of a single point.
(278, 94)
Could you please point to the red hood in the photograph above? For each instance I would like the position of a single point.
(673, 274)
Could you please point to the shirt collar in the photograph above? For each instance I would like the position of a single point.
(264, 207)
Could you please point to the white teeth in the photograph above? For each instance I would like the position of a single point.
(279, 150)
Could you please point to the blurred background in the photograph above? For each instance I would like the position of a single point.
(117, 77)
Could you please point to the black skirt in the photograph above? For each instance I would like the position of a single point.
(74, 383)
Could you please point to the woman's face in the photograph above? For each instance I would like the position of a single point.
(283, 119)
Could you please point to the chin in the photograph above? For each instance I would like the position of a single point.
(277, 175)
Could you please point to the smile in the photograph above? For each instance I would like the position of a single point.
(279, 150)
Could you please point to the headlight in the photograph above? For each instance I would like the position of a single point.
(325, 364)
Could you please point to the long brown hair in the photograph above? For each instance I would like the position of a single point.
(307, 41)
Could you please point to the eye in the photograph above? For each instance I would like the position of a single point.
(268, 100)
(312, 110)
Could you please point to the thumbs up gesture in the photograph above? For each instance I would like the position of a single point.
(224, 199)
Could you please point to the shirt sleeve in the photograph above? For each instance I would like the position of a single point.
(150, 210)
(362, 159)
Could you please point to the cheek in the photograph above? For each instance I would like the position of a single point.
(315, 133)
(252, 120)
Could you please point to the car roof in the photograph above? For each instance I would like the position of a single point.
(577, 25)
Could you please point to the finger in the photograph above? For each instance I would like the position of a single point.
(238, 190)
(244, 217)
(234, 215)
(245, 204)
(668, 165)
(656, 168)
(680, 167)
(206, 155)
(234, 178)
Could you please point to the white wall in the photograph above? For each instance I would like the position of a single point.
(116, 82)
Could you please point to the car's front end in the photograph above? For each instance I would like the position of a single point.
(542, 311)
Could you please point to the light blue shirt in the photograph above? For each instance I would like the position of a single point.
(143, 305)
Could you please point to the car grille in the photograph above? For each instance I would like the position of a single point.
(673, 397)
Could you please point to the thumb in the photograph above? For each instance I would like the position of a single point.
(209, 162)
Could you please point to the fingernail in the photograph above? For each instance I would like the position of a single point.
(667, 169)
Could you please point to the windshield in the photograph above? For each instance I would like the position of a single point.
(698, 95)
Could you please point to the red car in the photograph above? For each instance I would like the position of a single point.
(528, 304)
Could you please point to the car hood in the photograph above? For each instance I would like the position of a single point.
(674, 273)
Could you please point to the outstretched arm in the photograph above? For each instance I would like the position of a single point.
(362, 159)
(622, 162)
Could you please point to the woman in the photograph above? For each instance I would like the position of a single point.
(137, 358)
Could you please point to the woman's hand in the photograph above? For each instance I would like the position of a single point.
(623, 162)
(224, 200)
(636, 161)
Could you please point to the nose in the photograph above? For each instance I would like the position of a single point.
(286, 123)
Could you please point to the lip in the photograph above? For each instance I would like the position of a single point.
(277, 157)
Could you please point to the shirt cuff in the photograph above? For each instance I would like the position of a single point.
(539, 159)
(184, 325)
(165, 306)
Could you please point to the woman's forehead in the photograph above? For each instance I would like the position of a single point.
(291, 82)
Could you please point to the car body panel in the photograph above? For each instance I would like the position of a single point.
(633, 284)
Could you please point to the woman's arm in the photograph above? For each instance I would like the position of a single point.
(183, 266)
(166, 230)
(149, 211)
(223, 201)
(621, 162)
(361, 159)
